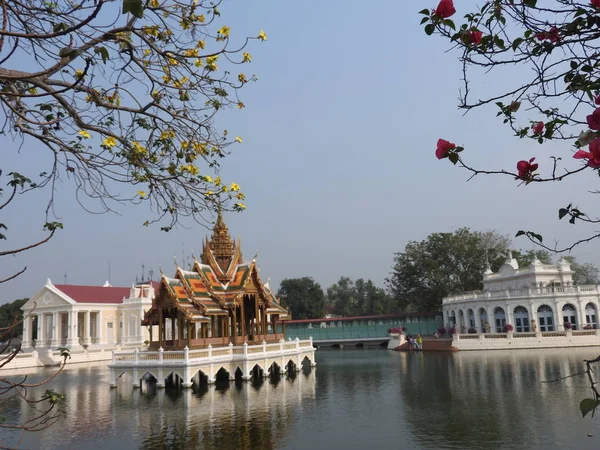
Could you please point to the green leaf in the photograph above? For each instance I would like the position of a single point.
(449, 23)
(530, 3)
(58, 27)
(520, 233)
(429, 29)
(537, 236)
(424, 11)
(562, 212)
(516, 43)
(135, 7)
(424, 20)
(103, 51)
(67, 52)
(587, 405)
(453, 157)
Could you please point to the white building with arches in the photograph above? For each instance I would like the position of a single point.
(537, 298)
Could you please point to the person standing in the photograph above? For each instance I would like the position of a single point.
(419, 342)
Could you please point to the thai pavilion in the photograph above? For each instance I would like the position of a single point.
(221, 300)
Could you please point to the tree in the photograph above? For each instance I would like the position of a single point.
(585, 273)
(121, 99)
(525, 258)
(358, 298)
(303, 296)
(554, 97)
(443, 264)
(8, 313)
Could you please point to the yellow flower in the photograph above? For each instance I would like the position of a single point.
(85, 134)
(142, 194)
(191, 52)
(184, 145)
(225, 189)
(198, 63)
(167, 134)
(200, 148)
(147, 51)
(200, 44)
(211, 62)
(173, 62)
(201, 18)
(262, 35)
(208, 178)
(154, 4)
(235, 187)
(109, 142)
(242, 78)
(217, 181)
(238, 139)
(209, 192)
(240, 105)
(224, 30)
(191, 169)
(79, 73)
(139, 147)
(32, 91)
(247, 57)
(241, 196)
(240, 205)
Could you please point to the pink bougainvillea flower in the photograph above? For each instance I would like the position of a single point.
(595, 3)
(526, 169)
(597, 98)
(476, 36)
(538, 128)
(593, 156)
(553, 35)
(443, 148)
(445, 9)
(593, 119)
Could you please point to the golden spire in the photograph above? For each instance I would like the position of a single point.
(221, 244)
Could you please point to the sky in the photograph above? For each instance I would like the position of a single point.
(337, 160)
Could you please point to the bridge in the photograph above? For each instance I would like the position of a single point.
(362, 331)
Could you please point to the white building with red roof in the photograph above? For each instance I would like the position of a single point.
(87, 317)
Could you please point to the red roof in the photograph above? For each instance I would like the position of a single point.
(94, 294)
(385, 316)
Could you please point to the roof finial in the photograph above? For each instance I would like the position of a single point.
(175, 261)
(160, 269)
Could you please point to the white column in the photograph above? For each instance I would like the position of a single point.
(72, 329)
(41, 337)
(87, 334)
(99, 329)
(55, 330)
(27, 328)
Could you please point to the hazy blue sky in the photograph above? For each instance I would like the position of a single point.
(337, 161)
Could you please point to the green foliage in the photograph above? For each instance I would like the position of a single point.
(8, 312)
(585, 273)
(524, 258)
(443, 264)
(359, 298)
(303, 296)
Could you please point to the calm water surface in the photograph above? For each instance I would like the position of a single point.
(355, 399)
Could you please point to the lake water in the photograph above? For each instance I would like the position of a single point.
(354, 399)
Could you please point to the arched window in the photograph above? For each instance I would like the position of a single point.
(546, 318)
(483, 319)
(499, 319)
(590, 315)
(521, 319)
(570, 315)
(471, 315)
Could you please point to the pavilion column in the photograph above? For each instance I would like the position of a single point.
(41, 330)
(87, 327)
(234, 325)
(27, 328)
(243, 314)
(161, 333)
(72, 328)
(55, 330)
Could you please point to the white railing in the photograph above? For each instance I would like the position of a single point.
(209, 354)
(524, 335)
(519, 293)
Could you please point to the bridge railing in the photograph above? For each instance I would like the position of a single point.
(186, 356)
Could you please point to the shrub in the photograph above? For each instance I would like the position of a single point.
(588, 327)
(394, 330)
(441, 331)
(508, 328)
(472, 330)
(453, 330)
(568, 325)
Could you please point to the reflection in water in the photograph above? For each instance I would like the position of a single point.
(356, 399)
